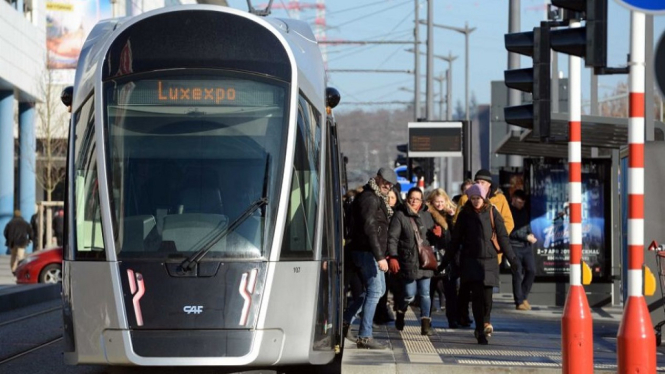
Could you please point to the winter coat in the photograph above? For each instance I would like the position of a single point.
(18, 233)
(402, 243)
(498, 199)
(369, 224)
(472, 239)
(522, 228)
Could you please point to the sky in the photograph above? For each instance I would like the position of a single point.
(394, 20)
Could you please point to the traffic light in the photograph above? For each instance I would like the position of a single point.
(534, 116)
(589, 41)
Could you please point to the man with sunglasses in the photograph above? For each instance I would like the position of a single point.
(368, 241)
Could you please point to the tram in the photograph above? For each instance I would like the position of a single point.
(203, 194)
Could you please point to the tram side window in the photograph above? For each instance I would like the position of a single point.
(89, 237)
(300, 231)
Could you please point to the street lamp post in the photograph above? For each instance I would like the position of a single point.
(466, 31)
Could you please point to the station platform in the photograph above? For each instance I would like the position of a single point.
(522, 342)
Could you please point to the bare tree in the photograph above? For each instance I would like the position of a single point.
(51, 134)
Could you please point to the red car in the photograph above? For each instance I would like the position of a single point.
(41, 267)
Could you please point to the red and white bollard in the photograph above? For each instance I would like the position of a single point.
(636, 339)
(576, 322)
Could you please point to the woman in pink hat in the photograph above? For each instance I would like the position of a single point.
(479, 268)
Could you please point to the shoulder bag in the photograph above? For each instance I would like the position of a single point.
(494, 239)
(426, 255)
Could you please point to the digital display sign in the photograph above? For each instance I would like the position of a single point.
(435, 139)
(198, 92)
(208, 93)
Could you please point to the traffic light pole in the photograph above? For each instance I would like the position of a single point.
(576, 322)
(636, 340)
(514, 96)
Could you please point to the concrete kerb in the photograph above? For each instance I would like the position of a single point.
(19, 296)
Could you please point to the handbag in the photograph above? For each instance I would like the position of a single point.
(494, 239)
(426, 255)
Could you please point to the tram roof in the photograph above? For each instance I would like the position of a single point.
(604, 133)
(297, 34)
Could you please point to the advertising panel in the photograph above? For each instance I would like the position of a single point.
(68, 23)
(550, 219)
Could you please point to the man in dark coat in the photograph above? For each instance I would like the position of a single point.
(521, 239)
(18, 235)
(368, 241)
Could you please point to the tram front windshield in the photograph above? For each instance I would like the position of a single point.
(187, 155)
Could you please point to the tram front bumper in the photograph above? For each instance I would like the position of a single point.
(188, 348)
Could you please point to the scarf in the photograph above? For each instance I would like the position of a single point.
(375, 187)
(439, 217)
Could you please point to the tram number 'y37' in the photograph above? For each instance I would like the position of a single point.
(195, 309)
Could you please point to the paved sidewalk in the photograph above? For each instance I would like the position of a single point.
(6, 277)
(523, 342)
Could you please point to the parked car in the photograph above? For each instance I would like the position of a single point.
(41, 267)
(402, 179)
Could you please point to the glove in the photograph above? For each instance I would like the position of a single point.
(393, 265)
(437, 231)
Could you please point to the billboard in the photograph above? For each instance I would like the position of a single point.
(68, 23)
(550, 219)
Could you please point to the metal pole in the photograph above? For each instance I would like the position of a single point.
(416, 56)
(636, 342)
(514, 96)
(442, 160)
(466, 69)
(649, 77)
(576, 322)
(555, 82)
(449, 93)
(594, 94)
(429, 111)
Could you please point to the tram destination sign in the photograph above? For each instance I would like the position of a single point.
(435, 139)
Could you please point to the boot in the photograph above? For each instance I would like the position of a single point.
(399, 320)
(369, 343)
(480, 337)
(346, 332)
(426, 326)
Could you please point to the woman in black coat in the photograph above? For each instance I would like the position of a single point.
(479, 267)
(404, 259)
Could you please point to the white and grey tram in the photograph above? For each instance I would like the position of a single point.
(203, 194)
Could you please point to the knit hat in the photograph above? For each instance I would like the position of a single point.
(476, 190)
(483, 175)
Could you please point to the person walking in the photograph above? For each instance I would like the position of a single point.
(521, 240)
(498, 199)
(442, 210)
(18, 235)
(383, 314)
(403, 243)
(472, 237)
(368, 241)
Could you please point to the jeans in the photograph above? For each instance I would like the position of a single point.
(375, 287)
(522, 282)
(421, 287)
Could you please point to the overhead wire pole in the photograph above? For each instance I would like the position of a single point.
(636, 342)
(576, 322)
(416, 48)
(429, 83)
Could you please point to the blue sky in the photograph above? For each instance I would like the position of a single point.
(394, 20)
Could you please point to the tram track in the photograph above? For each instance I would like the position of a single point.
(28, 351)
(32, 315)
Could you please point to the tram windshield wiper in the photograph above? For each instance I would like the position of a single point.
(190, 262)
